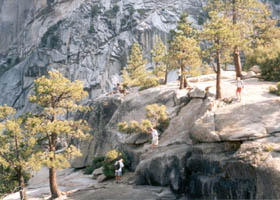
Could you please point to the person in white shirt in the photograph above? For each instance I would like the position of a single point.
(239, 85)
(154, 137)
(118, 169)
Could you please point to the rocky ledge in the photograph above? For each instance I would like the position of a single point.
(211, 149)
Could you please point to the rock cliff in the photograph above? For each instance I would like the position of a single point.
(86, 40)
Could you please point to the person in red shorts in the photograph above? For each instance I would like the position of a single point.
(240, 86)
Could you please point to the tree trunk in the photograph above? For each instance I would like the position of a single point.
(52, 171)
(182, 78)
(165, 78)
(218, 79)
(236, 52)
(237, 63)
(22, 191)
(53, 185)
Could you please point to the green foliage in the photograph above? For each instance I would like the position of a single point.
(19, 152)
(109, 169)
(268, 58)
(149, 82)
(135, 73)
(157, 117)
(9, 180)
(91, 29)
(56, 96)
(95, 10)
(159, 52)
(51, 38)
(97, 162)
(221, 36)
(109, 162)
(113, 12)
(184, 48)
(275, 89)
(142, 12)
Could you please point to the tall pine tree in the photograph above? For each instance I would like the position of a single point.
(244, 15)
(184, 48)
(135, 73)
(56, 96)
(220, 36)
(18, 146)
(159, 52)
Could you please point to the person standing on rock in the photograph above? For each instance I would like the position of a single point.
(239, 85)
(154, 137)
(118, 169)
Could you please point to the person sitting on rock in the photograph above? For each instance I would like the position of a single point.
(154, 137)
(118, 169)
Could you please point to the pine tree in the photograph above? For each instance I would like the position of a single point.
(159, 52)
(57, 96)
(220, 36)
(184, 48)
(245, 15)
(136, 67)
(17, 146)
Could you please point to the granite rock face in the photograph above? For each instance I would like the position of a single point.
(85, 40)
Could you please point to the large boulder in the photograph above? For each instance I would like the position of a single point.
(163, 168)
(249, 121)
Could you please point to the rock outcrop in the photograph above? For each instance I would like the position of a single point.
(210, 149)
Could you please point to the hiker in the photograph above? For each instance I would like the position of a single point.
(239, 85)
(118, 169)
(154, 137)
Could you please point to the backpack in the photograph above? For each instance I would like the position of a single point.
(117, 166)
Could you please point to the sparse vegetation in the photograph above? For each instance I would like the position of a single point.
(113, 12)
(51, 39)
(95, 10)
(275, 89)
(156, 117)
(97, 162)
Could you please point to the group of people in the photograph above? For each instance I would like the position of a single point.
(119, 89)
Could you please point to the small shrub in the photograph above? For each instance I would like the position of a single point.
(149, 82)
(112, 155)
(278, 86)
(95, 11)
(8, 180)
(91, 29)
(157, 117)
(269, 148)
(109, 163)
(132, 127)
(145, 124)
(272, 89)
(88, 170)
(109, 169)
(113, 12)
(97, 162)
(275, 89)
